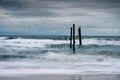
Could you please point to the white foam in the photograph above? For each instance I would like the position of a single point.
(72, 57)
(29, 43)
(99, 42)
(25, 71)
(41, 43)
(61, 63)
(15, 72)
(2, 38)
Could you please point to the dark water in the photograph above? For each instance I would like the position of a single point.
(47, 52)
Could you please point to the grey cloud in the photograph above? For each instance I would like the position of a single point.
(11, 4)
(52, 15)
(42, 13)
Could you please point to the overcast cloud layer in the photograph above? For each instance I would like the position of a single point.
(55, 17)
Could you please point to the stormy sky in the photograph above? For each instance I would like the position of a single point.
(55, 17)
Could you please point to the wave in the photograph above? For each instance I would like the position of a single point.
(88, 41)
(58, 56)
(5, 57)
(66, 57)
(54, 61)
(21, 45)
(100, 42)
(32, 47)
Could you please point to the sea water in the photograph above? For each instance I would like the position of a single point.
(52, 54)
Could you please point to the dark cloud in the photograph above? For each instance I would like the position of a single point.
(43, 4)
(49, 8)
(11, 4)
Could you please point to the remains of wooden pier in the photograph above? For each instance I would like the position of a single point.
(79, 35)
(72, 37)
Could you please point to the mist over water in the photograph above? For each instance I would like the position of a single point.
(97, 54)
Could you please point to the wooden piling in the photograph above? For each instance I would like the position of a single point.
(79, 34)
(71, 37)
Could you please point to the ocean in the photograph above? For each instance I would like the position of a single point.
(52, 54)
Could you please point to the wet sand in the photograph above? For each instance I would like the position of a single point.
(63, 77)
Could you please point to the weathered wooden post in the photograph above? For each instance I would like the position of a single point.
(79, 34)
(71, 37)
(74, 38)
